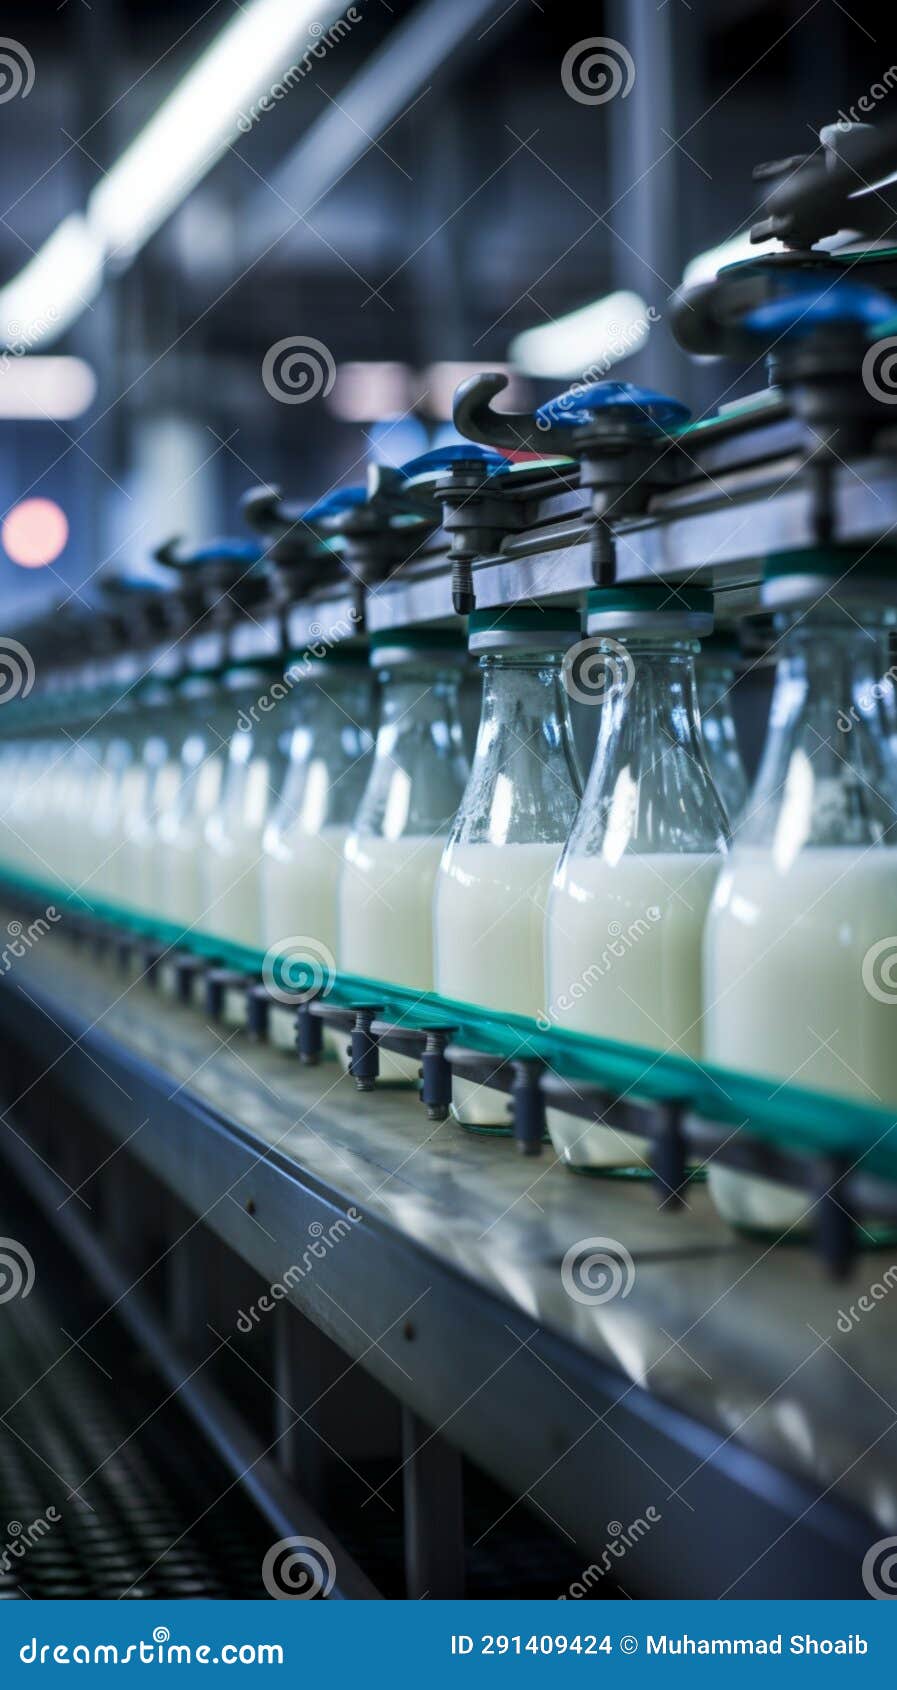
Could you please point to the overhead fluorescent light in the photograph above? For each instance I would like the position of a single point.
(593, 338)
(53, 288)
(256, 58)
(45, 389)
(198, 121)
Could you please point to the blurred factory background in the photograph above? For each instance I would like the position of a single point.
(194, 192)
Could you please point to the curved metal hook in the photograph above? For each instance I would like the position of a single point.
(262, 509)
(167, 553)
(508, 431)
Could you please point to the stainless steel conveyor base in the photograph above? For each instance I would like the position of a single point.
(719, 1391)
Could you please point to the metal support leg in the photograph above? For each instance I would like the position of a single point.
(364, 1060)
(529, 1108)
(190, 1272)
(434, 1512)
(258, 1009)
(436, 1077)
(309, 1036)
(669, 1158)
(835, 1229)
(299, 1377)
(214, 994)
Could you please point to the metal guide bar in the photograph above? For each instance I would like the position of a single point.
(781, 1117)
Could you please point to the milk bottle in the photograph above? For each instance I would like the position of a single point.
(800, 940)
(391, 854)
(327, 767)
(518, 806)
(179, 875)
(630, 894)
(256, 760)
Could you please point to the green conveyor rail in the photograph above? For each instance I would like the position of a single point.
(784, 1114)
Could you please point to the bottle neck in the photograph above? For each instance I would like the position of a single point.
(525, 781)
(828, 774)
(649, 789)
(651, 701)
(329, 751)
(715, 684)
(419, 767)
(412, 702)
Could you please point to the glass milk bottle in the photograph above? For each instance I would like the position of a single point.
(327, 768)
(414, 786)
(30, 840)
(179, 879)
(518, 807)
(256, 761)
(121, 738)
(631, 891)
(800, 937)
(83, 774)
(715, 669)
(147, 790)
(55, 790)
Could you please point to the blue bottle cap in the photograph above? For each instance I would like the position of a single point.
(442, 457)
(333, 504)
(809, 305)
(580, 405)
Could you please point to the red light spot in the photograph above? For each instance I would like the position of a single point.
(35, 532)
